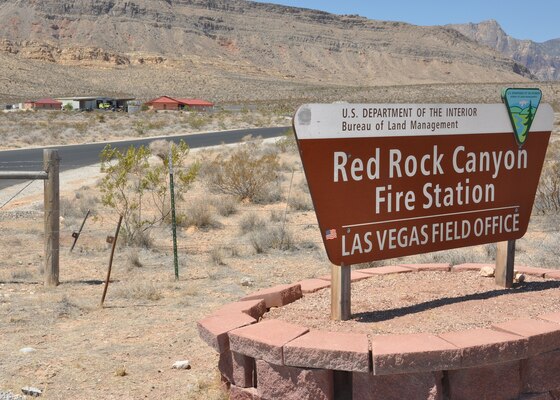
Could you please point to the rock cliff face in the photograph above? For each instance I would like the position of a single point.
(542, 59)
(238, 43)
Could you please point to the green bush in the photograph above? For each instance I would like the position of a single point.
(129, 177)
(245, 174)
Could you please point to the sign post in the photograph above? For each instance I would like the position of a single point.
(391, 180)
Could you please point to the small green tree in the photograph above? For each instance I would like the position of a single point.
(129, 177)
(68, 107)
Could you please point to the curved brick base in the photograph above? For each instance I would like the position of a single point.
(274, 359)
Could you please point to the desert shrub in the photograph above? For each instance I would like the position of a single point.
(217, 255)
(196, 120)
(68, 209)
(547, 199)
(245, 174)
(300, 202)
(141, 238)
(225, 205)
(251, 222)
(287, 143)
(273, 195)
(491, 251)
(21, 275)
(129, 177)
(133, 260)
(65, 308)
(275, 237)
(199, 214)
(78, 207)
(547, 251)
(139, 291)
(276, 215)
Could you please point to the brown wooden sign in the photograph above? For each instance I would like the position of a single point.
(390, 180)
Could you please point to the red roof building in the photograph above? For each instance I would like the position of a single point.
(42, 104)
(169, 103)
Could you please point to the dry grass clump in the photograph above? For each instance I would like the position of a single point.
(547, 199)
(225, 205)
(77, 207)
(300, 202)
(548, 252)
(217, 255)
(139, 291)
(133, 260)
(200, 214)
(274, 237)
(65, 308)
(251, 222)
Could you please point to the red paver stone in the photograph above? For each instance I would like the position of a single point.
(237, 393)
(277, 296)
(540, 272)
(491, 382)
(329, 350)
(291, 383)
(265, 340)
(552, 317)
(552, 275)
(214, 330)
(428, 267)
(354, 276)
(543, 336)
(313, 285)
(396, 354)
(254, 308)
(470, 267)
(425, 386)
(386, 270)
(486, 346)
(541, 373)
(237, 368)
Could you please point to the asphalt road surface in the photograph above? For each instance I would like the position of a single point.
(81, 155)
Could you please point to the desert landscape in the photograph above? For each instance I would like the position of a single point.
(245, 219)
(61, 341)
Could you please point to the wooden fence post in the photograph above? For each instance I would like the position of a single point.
(505, 259)
(341, 293)
(52, 216)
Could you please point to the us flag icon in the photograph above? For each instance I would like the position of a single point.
(330, 234)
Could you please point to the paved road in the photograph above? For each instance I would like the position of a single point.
(76, 156)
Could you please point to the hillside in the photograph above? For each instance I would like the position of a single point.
(226, 50)
(542, 59)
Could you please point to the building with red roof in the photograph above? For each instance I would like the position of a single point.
(42, 104)
(170, 104)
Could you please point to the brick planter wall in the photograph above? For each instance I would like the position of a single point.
(274, 359)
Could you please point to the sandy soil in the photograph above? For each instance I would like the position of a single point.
(426, 302)
(125, 350)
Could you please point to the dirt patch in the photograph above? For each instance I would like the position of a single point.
(426, 302)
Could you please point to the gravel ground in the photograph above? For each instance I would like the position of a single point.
(426, 302)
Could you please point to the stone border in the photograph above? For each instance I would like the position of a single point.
(275, 359)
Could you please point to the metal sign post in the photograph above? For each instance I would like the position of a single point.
(173, 220)
(76, 234)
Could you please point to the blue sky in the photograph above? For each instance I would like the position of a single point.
(523, 19)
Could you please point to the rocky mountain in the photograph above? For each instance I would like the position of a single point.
(542, 59)
(231, 50)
